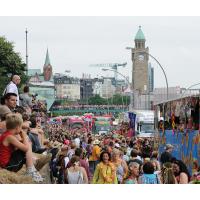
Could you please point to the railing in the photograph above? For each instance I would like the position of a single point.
(82, 111)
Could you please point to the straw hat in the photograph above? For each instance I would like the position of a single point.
(96, 142)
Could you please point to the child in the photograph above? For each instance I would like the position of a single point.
(15, 153)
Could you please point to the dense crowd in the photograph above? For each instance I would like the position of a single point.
(114, 159)
(77, 156)
(88, 107)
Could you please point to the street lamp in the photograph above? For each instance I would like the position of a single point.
(190, 88)
(159, 66)
(26, 52)
(131, 98)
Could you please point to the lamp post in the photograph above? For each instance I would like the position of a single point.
(26, 52)
(190, 88)
(131, 99)
(159, 66)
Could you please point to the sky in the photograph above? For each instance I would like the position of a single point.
(76, 42)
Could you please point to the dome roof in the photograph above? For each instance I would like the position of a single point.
(140, 34)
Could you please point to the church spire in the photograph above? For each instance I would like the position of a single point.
(47, 60)
(47, 69)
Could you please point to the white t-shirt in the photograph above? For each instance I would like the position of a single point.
(12, 88)
(77, 142)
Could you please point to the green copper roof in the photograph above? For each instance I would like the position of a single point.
(47, 60)
(140, 34)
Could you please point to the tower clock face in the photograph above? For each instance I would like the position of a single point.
(141, 57)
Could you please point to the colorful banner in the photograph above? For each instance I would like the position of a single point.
(132, 118)
(186, 145)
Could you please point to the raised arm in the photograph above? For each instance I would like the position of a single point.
(24, 146)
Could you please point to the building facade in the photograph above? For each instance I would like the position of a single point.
(97, 86)
(67, 87)
(108, 88)
(86, 88)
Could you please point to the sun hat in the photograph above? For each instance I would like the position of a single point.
(96, 142)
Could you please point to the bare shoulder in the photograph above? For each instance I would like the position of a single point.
(10, 138)
(183, 178)
(82, 169)
(183, 175)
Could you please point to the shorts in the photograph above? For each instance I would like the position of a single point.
(17, 160)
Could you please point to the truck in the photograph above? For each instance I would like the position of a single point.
(102, 125)
(144, 123)
(73, 122)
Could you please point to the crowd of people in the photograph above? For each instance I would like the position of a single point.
(88, 107)
(21, 134)
(77, 156)
(114, 159)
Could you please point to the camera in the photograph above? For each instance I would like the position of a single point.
(34, 95)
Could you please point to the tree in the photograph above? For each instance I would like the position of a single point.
(10, 63)
(97, 100)
(117, 99)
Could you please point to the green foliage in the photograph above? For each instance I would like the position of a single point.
(10, 63)
(97, 100)
(117, 99)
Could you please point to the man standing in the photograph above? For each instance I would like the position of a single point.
(12, 87)
(94, 158)
(26, 100)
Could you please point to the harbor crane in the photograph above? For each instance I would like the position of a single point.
(113, 66)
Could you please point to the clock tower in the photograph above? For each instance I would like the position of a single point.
(140, 58)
